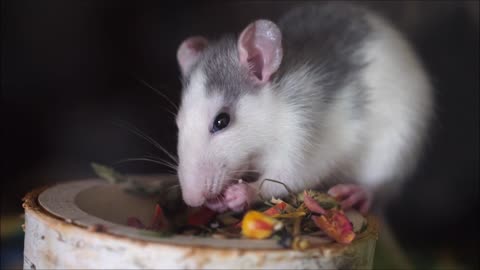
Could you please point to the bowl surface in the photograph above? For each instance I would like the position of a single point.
(61, 231)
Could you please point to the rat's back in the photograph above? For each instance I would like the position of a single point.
(378, 94)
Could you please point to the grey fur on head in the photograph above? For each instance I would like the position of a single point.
(223, 72)
(325, 50)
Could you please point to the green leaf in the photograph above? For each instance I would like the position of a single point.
(364, 228)
(108, 173)
(328, 205)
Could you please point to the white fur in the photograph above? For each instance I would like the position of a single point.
(400, 107)
(194, 140)
(380, 147)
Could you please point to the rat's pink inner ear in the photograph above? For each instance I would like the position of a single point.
(260, 49)
(189, 52)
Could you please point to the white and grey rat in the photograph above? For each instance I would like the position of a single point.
(330, 91)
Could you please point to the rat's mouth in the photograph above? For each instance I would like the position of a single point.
(251, 172)
(234, 193)
(246, 174)
(248, 177)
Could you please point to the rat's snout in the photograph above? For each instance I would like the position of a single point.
(199, 185)
(190, 188)
(192, 196)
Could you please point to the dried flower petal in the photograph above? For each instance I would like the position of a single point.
(135, 222)
(279, 208)
(336, 225)
(312, 204)
(201, 216)
(159, 220)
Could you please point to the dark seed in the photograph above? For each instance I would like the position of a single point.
(285, 239)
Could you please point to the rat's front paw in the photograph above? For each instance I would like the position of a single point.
(352, 196)
(217, 205)
(239, 196)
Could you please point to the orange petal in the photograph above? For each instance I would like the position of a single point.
(336, 225)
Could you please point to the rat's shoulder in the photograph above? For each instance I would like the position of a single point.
(334, 16)
(325, 41)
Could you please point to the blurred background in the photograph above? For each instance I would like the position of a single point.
(71, 69)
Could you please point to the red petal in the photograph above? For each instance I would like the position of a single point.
(159, 220)
(201, 216)
(276, 209)
(261, 225)
(238, 225)
(135, 222)
(342, 222)
(312, 205)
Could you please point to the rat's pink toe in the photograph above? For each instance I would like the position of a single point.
(238, 197)
(342, 190)
(352, 196)
(365, 206)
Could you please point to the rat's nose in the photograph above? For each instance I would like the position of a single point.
(193, 201)
(196, 183)
(192, 197)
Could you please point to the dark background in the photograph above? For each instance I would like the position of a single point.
(70, 69)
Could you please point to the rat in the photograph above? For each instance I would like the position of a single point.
(330, 93)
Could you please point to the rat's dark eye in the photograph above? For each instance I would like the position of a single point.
(221, 121)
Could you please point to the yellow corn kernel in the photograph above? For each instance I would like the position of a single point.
(259, 226)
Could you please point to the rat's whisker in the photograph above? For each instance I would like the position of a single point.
(220, 197)
(159, 93)
(173, 187)
(143, 159)
(245, 171)
(170, 112)
(161, 160)
(139, 133)
(148, 160)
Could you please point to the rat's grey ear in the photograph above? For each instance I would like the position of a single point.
(260, 49)
(189, 51)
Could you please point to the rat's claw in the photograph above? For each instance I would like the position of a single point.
(238, 197)
(352, 196)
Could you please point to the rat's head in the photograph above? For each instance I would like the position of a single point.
(225, 113)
